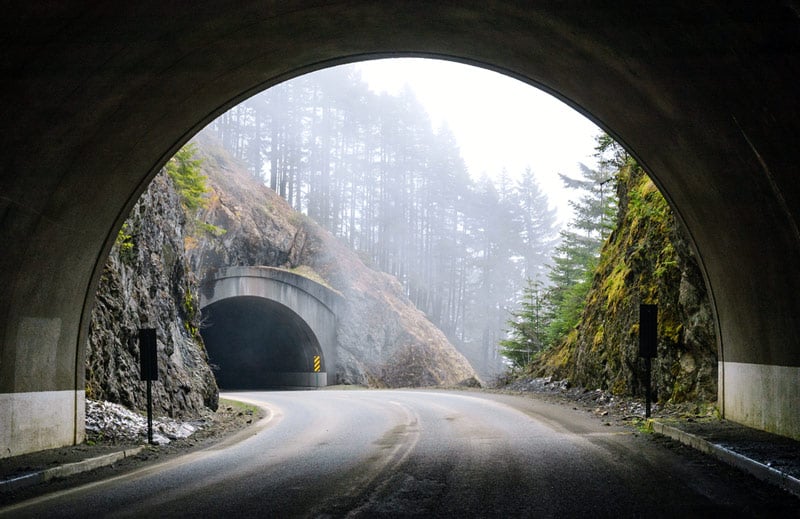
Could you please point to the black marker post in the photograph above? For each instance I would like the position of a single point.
(648, 345)
(149, 371)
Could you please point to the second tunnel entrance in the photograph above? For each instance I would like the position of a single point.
(255, 343)
(269, 327)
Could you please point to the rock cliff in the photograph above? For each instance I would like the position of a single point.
(647, 259)
(151, 280)
(146, 283)
(384, 340)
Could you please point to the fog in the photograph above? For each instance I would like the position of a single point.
(500, 123)
(442, 175)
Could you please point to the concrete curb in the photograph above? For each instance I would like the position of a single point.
(68, 469)
(752, 467)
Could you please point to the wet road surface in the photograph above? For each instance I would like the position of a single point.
(423, 454)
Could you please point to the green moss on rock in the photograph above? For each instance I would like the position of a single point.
(645, 260)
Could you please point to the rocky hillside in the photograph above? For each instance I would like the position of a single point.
(647, 259)
(384, 340)
(146, 283)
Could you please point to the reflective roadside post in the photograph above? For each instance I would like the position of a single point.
(148, 364)
(648, 345)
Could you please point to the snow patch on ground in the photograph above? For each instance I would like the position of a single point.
(117, 423)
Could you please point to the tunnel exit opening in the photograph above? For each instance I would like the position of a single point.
(256, 343)
(468, 278)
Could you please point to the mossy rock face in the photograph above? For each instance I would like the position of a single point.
(646, 259)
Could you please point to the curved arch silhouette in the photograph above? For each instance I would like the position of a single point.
(96, 100)
(266, 325)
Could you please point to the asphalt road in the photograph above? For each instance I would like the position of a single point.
(423, 454)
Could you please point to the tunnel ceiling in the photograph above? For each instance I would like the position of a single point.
(250, 339)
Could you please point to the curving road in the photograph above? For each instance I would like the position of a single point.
(424, 454)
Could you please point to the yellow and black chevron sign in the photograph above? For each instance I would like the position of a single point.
(316, 363)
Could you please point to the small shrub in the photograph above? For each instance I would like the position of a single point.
(125, 244)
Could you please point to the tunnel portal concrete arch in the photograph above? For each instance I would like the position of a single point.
(96, 98)
(264, 326)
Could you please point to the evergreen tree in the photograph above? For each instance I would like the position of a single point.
(184, 169)
(536, 222)
(576, 256)
(527, 326)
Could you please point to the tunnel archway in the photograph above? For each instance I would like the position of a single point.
(257, 343)
(264, 326)
(98, 98)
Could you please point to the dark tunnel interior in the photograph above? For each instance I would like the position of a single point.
(255, 343)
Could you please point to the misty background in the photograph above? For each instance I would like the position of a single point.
(433, 172)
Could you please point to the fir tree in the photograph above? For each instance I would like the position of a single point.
(576, 256)
(527, 326)
(184, 169)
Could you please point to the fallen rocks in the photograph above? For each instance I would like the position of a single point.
(539, 385)
(598, 401)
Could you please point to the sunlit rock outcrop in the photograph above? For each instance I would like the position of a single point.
(384, 340)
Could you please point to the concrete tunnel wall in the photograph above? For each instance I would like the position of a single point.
(266, 325)
(97, 96)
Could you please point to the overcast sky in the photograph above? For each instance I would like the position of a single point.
(499, 122)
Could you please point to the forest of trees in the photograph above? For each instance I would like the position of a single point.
(372, 169)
